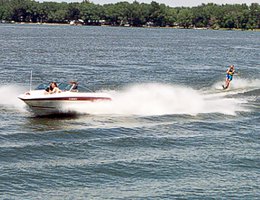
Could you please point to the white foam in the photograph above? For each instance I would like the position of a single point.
(8, 97)
(239, 83)
(161, 99)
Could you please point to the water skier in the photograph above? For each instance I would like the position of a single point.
(229, 76)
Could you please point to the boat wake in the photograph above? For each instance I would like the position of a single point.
(154, 99)
(238, 85)
(161, 99)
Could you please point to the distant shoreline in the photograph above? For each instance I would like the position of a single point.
(174, 27)
(133, 14)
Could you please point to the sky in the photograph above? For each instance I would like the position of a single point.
(172, 3)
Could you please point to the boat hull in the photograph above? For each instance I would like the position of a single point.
(56, 104)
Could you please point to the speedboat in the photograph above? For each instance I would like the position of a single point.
(42, 103)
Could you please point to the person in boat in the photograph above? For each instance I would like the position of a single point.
(229, 76)
(74, 86)
(53, 88)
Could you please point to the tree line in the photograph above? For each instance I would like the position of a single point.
(240, 16)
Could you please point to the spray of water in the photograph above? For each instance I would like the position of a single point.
(239, 84)
(152, 99)
(8, 97)
(161, 99)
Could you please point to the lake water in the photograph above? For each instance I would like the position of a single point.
(170, 132)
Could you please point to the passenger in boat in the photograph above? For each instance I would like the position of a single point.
(53, 88)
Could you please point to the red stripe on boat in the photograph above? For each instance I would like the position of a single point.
(70, 99)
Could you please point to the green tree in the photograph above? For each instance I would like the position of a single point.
(171, 16)
(254, 16)
(5, 10)
(73, 12)
(184, 17)
(156, 14)
(90, 12)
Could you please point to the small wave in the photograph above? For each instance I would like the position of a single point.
(255, 93)
(161, 99)
(246, 47)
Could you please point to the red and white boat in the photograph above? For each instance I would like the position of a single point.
(41, 103)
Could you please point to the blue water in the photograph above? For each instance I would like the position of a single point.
(170, 132)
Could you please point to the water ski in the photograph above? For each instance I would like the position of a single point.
(224, 87)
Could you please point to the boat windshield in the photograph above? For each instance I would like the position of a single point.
(42, 86)
(64, 87)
